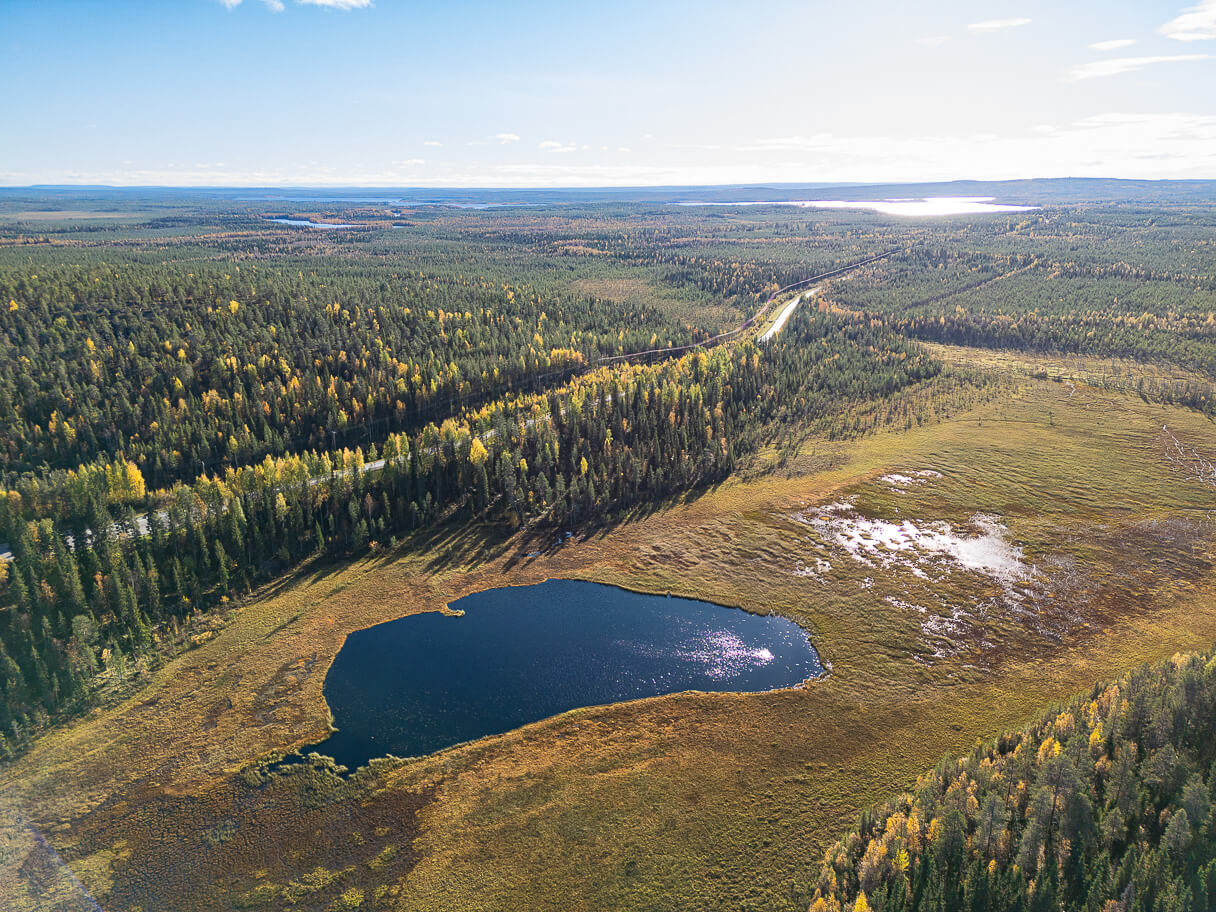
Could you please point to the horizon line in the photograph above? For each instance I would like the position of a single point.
(596, 187)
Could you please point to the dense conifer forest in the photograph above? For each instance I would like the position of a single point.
(1105, 804)
(188, 367)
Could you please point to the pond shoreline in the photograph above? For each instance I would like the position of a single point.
(414, 686)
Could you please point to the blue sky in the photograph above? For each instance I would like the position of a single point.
(463, 93)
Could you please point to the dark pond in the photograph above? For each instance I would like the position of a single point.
(518, 654)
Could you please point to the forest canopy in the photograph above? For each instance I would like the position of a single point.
(1105, 804)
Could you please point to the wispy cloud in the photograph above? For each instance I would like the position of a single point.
(278, 6)
(1116, 66)
(338, 4)
(1112, 45)
(1145, 145)
(1123, 144)
(505, 138)
(1113, 144)
(933, 40)
(997, 25)
(434, 143)
(1196, 23)
(552, 145)
(817, 142)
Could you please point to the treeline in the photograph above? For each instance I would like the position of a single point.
(722, 270)
(1104, 806)
(1097, 334)
(188, 367)
(1030, 303)
(98, 585)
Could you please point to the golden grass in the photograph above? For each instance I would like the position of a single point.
(684, 801)
(1106, 373)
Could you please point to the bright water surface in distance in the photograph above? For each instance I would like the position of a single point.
(307, 223)
(928, 206)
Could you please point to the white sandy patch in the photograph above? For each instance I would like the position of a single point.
(921, 546)
(929, 552)
(945, 634)
(821, 567)
(899, 480)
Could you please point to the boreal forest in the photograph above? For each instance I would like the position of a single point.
(968, 460)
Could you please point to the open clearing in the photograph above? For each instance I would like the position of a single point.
(958, 577)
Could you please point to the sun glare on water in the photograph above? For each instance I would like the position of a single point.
(916, 208)
(931, 205)
(723, 654)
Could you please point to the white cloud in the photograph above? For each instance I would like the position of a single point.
(1119, 144)
(278, 6)
(817, 142)
(1112, 45)
(338, 4)
(1171, 145)
(623, 149)
(434, 143)
(549, 144)
(1196, 23)
(997, 25)
(933, 40)
(1118, 65)
(552, 145)
(1146, 146)
(505, 138)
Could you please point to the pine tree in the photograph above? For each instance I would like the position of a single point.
(221, 569)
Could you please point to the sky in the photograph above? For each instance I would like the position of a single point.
(463, 93)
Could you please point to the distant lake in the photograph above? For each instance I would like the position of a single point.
(305, 223)
(926, 206)
(519, 654)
